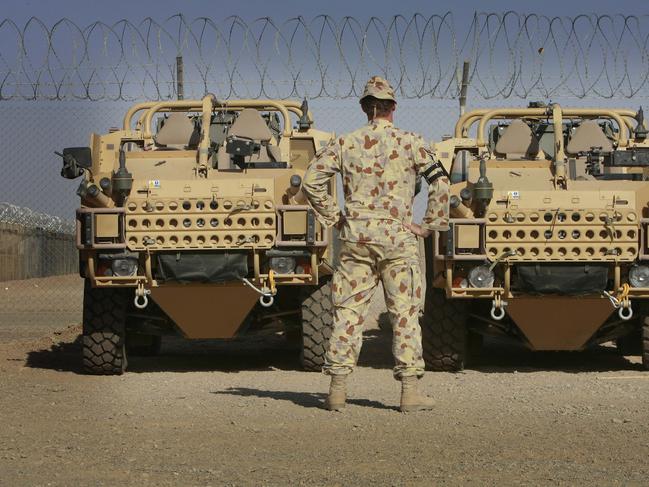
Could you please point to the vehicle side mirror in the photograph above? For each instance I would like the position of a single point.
(81, 155)
(75, 160)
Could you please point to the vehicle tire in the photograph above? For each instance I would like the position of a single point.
(140, 345)
(104, 319)
(317, 321)
(445, 337)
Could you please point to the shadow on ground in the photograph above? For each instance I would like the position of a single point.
(62, 356)
(179, 355)
(304, 399)
(498, 357)
(271, 353)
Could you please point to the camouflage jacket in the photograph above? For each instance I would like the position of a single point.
(379, 164)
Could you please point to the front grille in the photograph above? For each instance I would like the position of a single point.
(563, 235)
(197, 223)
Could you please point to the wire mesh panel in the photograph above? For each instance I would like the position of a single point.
(512, 55)
(61, 82)
(39, 282)
(34, 244)
(38, 279)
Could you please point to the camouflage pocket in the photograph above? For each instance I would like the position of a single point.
(415, 285)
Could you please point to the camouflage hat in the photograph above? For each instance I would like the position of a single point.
(378, 88)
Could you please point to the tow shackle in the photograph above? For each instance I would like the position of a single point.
(141, 299)
(498, 307)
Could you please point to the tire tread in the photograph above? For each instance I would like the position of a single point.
(104, 317)
(445, 336)
(317, 321)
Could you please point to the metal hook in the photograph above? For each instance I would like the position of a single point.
(266, 300)
(267, 297)
(141, 302)
(625, 313)
(497, 313)
(141, 299)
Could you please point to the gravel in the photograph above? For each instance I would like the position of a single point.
(240, 413)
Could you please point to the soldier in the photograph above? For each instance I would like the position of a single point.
(379, 165)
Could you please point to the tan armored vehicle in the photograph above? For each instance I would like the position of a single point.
(548, 240)
(192, 221)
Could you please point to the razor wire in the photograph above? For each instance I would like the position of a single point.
(512, 55)
(31, 219)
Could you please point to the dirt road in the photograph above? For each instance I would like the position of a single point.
(241, 414)
(33, 308)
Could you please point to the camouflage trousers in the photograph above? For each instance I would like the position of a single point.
(361, 267)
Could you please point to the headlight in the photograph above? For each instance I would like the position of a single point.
(639, 276)
(282, 265)
(124, 267)
(481, 276)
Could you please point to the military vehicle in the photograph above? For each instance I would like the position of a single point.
(192, 222)
(548, 233)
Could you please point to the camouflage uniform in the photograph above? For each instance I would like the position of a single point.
(379, 164)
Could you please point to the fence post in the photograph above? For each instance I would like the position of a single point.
(464, 87)
(180, 82)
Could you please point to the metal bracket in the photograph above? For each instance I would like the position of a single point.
(310, 227)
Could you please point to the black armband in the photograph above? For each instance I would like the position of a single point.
(434, 172)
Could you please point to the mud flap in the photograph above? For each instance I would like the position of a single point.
(561, 279)
(206, 267)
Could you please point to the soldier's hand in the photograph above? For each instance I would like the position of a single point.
(418, 229)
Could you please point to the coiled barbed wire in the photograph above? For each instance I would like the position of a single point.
(32, 219)
(511, 55)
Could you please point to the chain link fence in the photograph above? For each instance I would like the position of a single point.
(46, 202)
(39, 284)
(40, 113)
(34, 244)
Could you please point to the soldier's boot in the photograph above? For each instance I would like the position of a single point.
(411, 399)
(337, 393)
